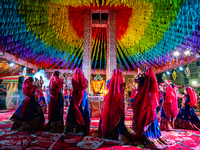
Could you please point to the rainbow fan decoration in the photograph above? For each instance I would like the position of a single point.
(49, 33)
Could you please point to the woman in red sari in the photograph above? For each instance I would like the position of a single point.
(170, 108)
(78, 118)
(187, 118)
(55, 114)
(144, 110)
(112, 118)
(29, 115)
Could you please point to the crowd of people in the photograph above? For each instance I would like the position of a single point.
(147, 100)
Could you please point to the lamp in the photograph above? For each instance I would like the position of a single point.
(11, 64)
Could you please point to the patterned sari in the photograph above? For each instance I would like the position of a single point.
(112, 118)
(41, 100)
(169, 110)
(78, 118)
(145, 113)
(187, 118)
(29, 115)
(55, 114)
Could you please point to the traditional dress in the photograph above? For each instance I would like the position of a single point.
(55, 114)
(3, 97)
(132, 97)
(169, 110)
(187, 118)
(112, 118)
(29, 115)
(67, 97)
(161, 100)
(47, 95)
(41, 100)
(144, 110)
(78, 118)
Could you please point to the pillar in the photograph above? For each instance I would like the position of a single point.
(87, 42)
(111, 45)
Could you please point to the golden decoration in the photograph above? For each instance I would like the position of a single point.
(174, 75)
(98, 86)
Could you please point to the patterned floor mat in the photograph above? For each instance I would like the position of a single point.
(41, 140)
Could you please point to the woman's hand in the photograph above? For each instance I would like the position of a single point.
(179, 95)
(166, 82)
(3, 90)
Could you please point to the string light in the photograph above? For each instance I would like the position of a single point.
(11, 64)
(194, 82)
(187, 52)
(176, 53)
(181, 68)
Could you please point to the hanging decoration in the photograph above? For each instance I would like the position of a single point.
(99, 48)
(164, 77)
(187, 72)
(174, 75)
(49, 33)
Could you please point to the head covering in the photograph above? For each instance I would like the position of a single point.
(113, 108)
(145, 103)
(55, 86)
(28, 87)
(170, 104)
(28, 90)
(192, 95)
(79, 83)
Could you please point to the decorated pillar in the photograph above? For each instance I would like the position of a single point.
(111, 45)
(87, 42)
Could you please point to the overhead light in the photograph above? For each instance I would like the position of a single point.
(181, 68)
(168, 72)
(194, 82)
(23, 67)
(176, 53)
(187, 52)
(11, 64)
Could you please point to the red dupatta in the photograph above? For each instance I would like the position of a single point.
(28, 90)
(145, 103)
(170, 104)
(192, 95)
(113, 108)
(79, 83)
(55, 85)
(133, 94)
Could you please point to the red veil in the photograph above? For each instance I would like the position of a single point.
(145, 103)
(113, 108)
(170, 104)
(133, 94)
(79, 83)
(193, 95)
(55, 85)
(28, 90)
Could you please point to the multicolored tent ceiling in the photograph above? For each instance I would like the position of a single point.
(49, 33)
